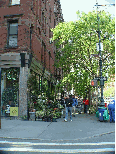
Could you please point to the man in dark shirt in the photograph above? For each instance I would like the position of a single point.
(68, 102)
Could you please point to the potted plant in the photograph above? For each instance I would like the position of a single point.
(24, 117)
(54, 117)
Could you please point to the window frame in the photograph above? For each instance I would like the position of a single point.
(8, 33)
(15, 3)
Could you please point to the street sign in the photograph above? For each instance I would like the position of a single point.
(98, 78)
(101, 46)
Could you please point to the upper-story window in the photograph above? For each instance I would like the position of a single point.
(50, 14)
(15, 2)
(12, 33)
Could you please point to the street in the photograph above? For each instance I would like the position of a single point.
(85, 134)
(88, 145)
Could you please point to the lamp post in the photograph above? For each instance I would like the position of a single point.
(100, 63)
(101, 79)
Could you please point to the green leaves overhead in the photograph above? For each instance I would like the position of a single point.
(76, 42)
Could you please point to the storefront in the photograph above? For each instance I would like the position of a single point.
(9, 89)
(14, 77)
(15, 73)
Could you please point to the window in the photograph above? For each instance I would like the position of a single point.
(50, 15)
(45, 26)
(42, 20)
(39, 31)
(15, 2)
(12, 33)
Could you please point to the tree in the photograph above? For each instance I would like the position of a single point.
(76, 42)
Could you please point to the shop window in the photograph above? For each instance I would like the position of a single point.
(9, 89)
(12, 33)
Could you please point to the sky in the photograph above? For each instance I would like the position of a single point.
(69, 7)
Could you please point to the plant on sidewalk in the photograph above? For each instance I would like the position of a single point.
(24, 117)
(92, 109)
(39, 114)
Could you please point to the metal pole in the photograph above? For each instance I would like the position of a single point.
(100, 62)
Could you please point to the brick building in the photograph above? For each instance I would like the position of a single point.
(25, 44)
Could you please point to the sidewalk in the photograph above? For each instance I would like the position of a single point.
(82, 126)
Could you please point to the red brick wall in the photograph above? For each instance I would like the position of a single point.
(28, 18)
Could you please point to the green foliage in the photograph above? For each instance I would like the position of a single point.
(92, 109)
(39, 114)
(109, 92)
(39, 105)
(12, 85)
(33, 87)
(76, 41)
(24, 117)
(9, 94)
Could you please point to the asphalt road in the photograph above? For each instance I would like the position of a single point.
(104, 144)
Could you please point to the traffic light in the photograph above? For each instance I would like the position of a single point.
(94, 83)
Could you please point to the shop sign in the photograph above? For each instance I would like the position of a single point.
(13, 111)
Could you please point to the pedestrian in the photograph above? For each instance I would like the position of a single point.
(111, 108)
(74, 105)
(69, 102)
(86, 105)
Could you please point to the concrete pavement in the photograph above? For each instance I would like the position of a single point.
(82, 126)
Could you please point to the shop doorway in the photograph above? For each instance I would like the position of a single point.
(9, 89)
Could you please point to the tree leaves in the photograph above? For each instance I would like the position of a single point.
(77, 41)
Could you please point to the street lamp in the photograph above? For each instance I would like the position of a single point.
(101, 79)
(100, 62)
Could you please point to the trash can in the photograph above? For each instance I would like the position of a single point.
(101, 112)
(32, 116)
(97, 114)
(106, 115)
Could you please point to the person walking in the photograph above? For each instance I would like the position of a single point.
(111, 108)
(69, 103)
(74, 105)
(86, 105)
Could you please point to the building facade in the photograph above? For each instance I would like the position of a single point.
(25, 45)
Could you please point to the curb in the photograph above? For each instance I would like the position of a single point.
(59, 139)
